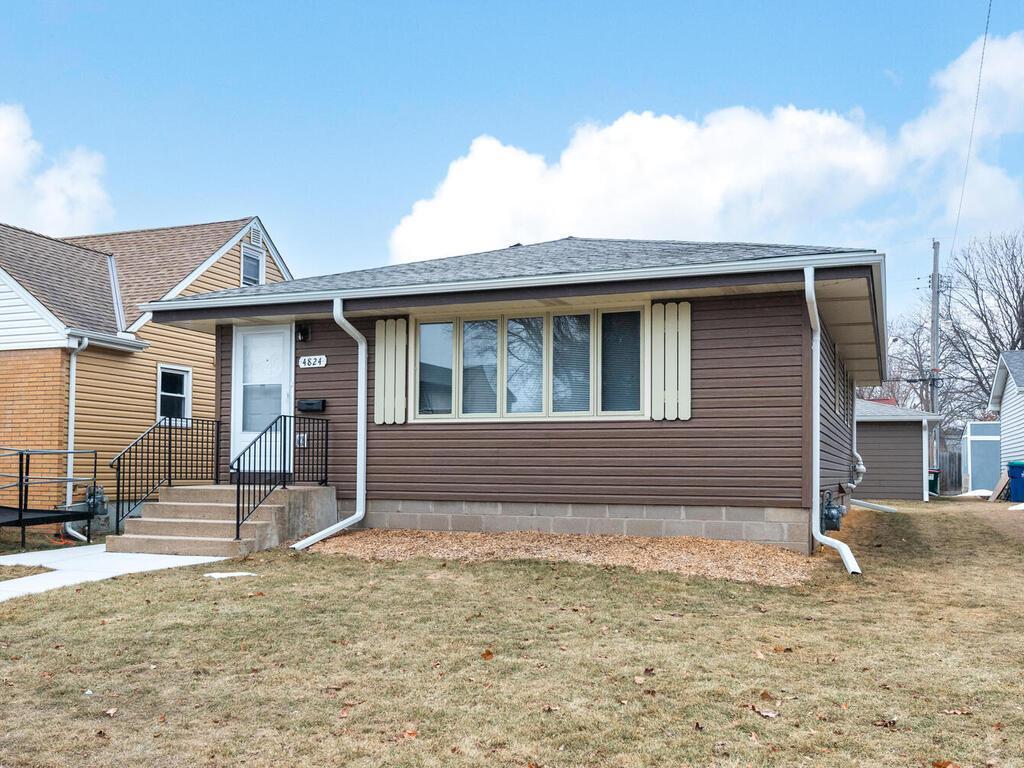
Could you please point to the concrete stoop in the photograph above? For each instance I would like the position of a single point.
(200, 520)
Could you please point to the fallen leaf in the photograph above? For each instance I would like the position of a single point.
(410, 734)
(765, 696)
(111, 712)
(101, 734)
(944, 764)
(551, 708)
(768, 714)
(345, 712)
(884, 723)
(758, 654)
(998, 725)
(487, 655)
(698, 727)
(648, 671)
(966, 712)
(639, 680)
(781, 649)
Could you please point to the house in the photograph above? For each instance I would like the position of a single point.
(980, 462)
(81, 363)
(1007, 399)
(573, 386)
(893, 443)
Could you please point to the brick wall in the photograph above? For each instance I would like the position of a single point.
(33, 414)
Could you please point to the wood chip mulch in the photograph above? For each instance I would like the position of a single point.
(733, 560)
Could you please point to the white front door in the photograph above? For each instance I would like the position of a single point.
(261, 389)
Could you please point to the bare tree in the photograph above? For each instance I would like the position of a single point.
(982, 316)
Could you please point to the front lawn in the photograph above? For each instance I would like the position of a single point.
(328, 660)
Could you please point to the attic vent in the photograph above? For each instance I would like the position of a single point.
(256, 235)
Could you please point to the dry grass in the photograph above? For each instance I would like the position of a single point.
(328, 660)
(690, 556)
(39, 537)
(8, 572)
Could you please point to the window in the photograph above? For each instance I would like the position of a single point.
(174, 392)
(435, 368)
(480, 367)
(620, 362)
(553, 364)
(524, 367)
(252, 265)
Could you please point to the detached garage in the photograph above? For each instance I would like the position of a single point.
(893, 442)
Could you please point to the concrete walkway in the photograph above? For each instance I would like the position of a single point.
(77, 565)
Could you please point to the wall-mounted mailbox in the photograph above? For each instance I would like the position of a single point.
(312, 406)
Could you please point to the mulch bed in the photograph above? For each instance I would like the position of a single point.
(733, 560)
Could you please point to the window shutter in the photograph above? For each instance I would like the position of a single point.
(389, 366)
(670, 361)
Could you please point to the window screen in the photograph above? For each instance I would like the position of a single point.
(435, 368)
(525, 365)
(480, 366)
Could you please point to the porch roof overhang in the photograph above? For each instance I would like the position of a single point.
(850, 290)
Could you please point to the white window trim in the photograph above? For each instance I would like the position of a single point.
(548, 414)
(237, 332)
(261, 253)
(160, 368)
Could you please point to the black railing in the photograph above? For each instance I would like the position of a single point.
(172, 449)
(292, 449)
(22, 514)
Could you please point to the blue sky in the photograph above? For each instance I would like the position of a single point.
(331, 120)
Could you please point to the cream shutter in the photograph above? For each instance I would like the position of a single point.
(389, 367)
(670, 361)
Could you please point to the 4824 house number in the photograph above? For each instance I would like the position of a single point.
(313, 361)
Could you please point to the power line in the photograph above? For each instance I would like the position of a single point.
(970, 141)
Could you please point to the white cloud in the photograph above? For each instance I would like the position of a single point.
(55, 196)
(807, 175)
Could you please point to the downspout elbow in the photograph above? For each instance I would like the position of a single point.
(361, 423)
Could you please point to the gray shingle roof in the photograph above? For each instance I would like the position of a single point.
(871, 411)
(569, 256)
(1014, 361)
(71, 281)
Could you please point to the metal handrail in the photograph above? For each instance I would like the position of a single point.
(26, 481)
(290, 449)
(172, 449)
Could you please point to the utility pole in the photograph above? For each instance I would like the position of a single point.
(933, 379)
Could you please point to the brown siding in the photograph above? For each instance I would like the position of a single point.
(34, 414)
(743, 446)
(894, 457)
(836, 424)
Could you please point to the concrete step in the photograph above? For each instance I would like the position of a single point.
(180, 545)
(257, 530)
(203, 510)
(214, 494)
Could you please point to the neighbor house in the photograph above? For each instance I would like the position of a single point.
(893, 443)
(1007, 399)
(81, 363)
(574, 386)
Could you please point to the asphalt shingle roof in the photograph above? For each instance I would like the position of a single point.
(71, 281)
(871, 411)
(1014, 361)
(152, 261)
(569, 256)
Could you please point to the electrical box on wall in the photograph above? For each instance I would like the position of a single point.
(312, 406)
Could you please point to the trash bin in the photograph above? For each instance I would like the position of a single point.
(1015, 470)
(933, 480)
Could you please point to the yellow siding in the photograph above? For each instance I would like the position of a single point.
(273, 273)
(116, 398)
(117, 390)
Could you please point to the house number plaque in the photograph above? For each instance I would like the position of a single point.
(313, 361)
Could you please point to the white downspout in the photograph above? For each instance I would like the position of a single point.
(69, 493)
(859, 469)
(812, 311)
(361, 401)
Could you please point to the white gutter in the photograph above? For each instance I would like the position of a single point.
(812, 311)
(69, 493)
(361, 418)
(109, 340)
(730, 267)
